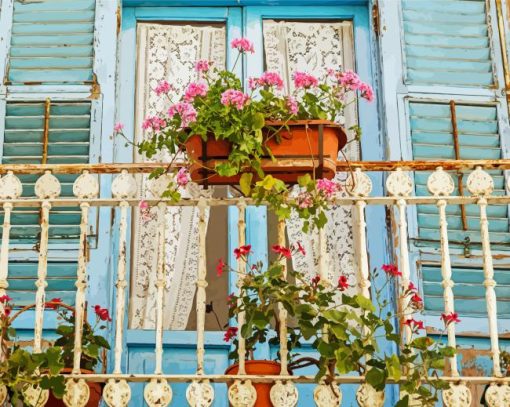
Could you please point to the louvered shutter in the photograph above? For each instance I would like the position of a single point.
(447, 42)
(68, 142)
(469, 290)
(61, 281)
(478, 138)
(52, 42)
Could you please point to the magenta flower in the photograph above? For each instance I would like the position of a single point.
(163, 87)
(5, 298)
(349, 79)
(304, 200)
(327, 187)
(153, 123)
(186, 111)
(366, 92)
(232, 97)
(195, 89)
(271, 79)
(202, 65)
(304, 80)
(243, 45)
(182, 177)
(253, 83)
(230, 334)
(452, 317)
(414, 324)
(292, 105)
(118, 127)
(145, 211)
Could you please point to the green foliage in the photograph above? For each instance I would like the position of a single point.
(343, 329)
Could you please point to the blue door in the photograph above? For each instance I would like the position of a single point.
(271, 28)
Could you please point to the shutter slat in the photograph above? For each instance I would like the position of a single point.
(469, 290)
(52, 42)
(447, 43)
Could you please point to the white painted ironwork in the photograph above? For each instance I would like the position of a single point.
(241, 392)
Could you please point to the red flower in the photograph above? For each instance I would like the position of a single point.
(282, 251)
(416, 299)
(5, 298)
(414, 324)
(242, 251)
(315, 281)
(230, 334)
(220, 267)
(231, 301)
(301, 249)
(411, 287)
(102, 313)
(449, 318)
(342, 283)
(7, 311)
(54, 303)
(391, 269)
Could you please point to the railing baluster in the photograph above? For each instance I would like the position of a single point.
(283, 394)
(325, 394)
(241, 393)
(78, 392)
(158, 392)
(201, 393)
(481, 185)
(117, 393)
(441, 184)
(46, 187)
(359, 185)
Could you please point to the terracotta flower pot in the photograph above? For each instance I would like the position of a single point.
(320, 140)
(259, 367)
(96, 391)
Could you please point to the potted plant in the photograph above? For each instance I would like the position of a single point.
(25, 373)
(62, 350)
(343, 329)
(235, 137)
(93, 345)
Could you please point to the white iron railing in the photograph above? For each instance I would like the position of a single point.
(158, 392)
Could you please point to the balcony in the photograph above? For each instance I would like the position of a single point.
(120, 193)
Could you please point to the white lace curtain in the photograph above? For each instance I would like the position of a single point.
(168, 52)
(314, 47)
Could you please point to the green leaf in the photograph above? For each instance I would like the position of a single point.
(245, 183)
(304, 180)
(339, 331)
(365, 303)
(394, 368)
(403, 402)
(376, 378)
(267, 183)
(259, 121)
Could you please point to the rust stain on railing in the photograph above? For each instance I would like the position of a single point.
(370, 166)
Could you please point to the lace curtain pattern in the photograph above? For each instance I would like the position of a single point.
(168, 52)
(314, 47)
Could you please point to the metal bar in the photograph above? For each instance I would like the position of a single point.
(284, 352)
(241, 269)
(81, 285)
(456, 145)
(502, 43)
(489, 283)
(112, 168)
(201, 284)
(344, 379)
(42, 268)
(121, 288)
(160, 288)
(47, 108)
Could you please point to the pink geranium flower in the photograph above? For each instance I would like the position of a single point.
(327, 187)
(195, 89)
(153, 123)
(202, 65)
(118, 127)
(269, 78)
(163, 87)
(182, 177)
(242, 45)
(304, 80)
(186, 111)
(349, 79)
(233, 97)
(292, 105)
(366, 92)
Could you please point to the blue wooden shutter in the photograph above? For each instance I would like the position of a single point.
(469, 291)
(52, 42)
(432, 139)
(68, 142)
(61, 281)
(447, 42)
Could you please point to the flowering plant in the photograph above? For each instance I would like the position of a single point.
(21, 368)
(217, 105)
(342, 328)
